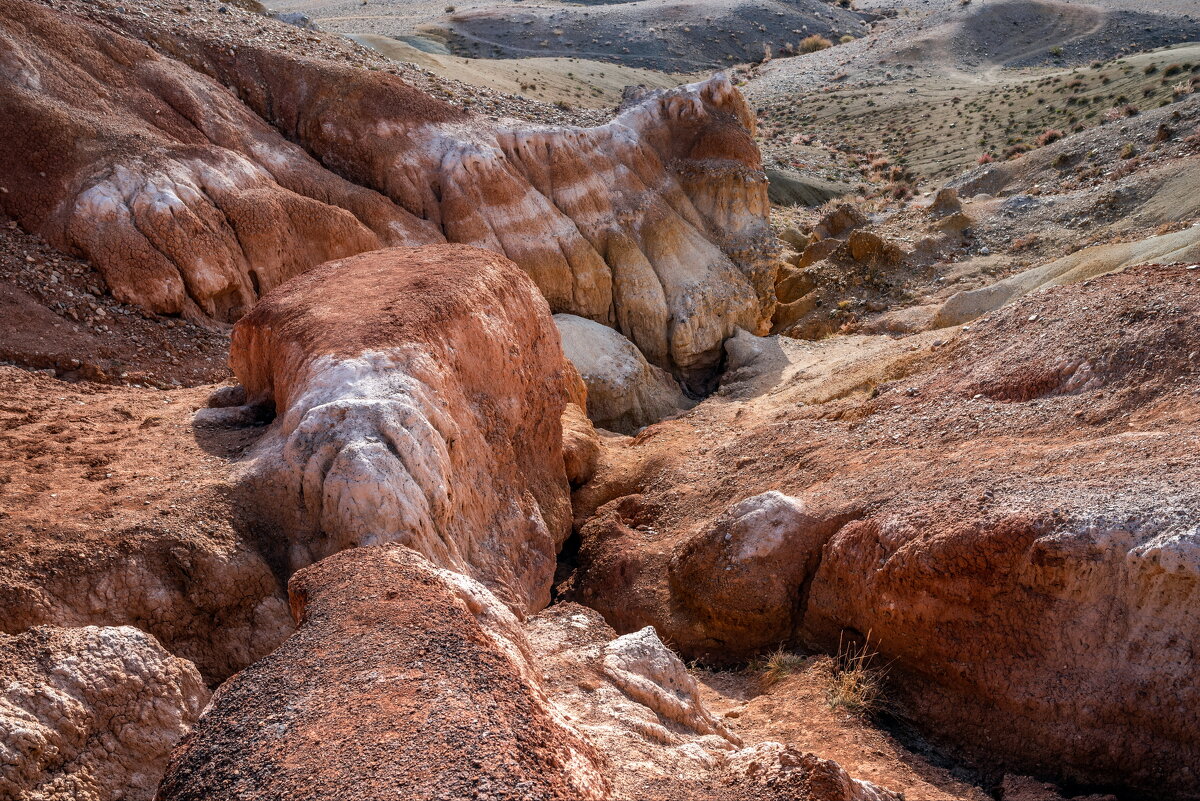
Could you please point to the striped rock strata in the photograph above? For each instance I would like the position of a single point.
(197, 176)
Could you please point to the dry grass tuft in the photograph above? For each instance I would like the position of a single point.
(811, 44)
(776, 666)
(856, 684)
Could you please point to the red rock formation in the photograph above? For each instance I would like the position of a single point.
(405, 681)
(1011, 518)
(176, 191)
(402, 682)
(418, 395)
(177, 174)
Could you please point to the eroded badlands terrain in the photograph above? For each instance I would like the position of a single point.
(372, 435)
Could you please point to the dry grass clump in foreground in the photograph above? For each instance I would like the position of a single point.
(856, 683)
(777, 665)
(811, 44)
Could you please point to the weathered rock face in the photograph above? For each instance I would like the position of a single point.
(1012, 522)
(218, 604)
(418, 396)
(177, 192)
(624, 391)
(189, 196)
(741, 580)
(636, 701)
(1088, 628)
(406, 681)
(90, 714)
(403, 681)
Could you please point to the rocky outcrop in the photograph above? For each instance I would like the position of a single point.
(637, 702)
(418, 396)
(216, 603)
(839, 221)
(944, 203)
(197, 176)
(403, 681)
(90, 714)
(406, 681)
(624, 391)
(1007, 517)
(1085, 631)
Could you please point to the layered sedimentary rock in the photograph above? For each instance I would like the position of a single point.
(90, 714)
(1009, 518)
(624, 391)
(197, 176)
(418, 396)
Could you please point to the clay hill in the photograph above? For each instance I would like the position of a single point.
(825, 429)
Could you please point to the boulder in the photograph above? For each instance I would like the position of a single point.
(650, 673)
(740, 579)
(418, 396)
(945, 202)
(796, 239)
(91, 714)
(871, 248)
(838, 221)
(624, 391)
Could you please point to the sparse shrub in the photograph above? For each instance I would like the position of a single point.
(811, 44)
(1056, 51)
(1172, 69)
(1128, 150)
(986, 158)
(1150, 69)
(1017, 150)
(856, 684)
(1051, 135)
(847, 39)
(1025, 242)
(449, 9)
(1117, 112)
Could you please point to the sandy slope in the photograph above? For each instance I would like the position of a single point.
(578, 81)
